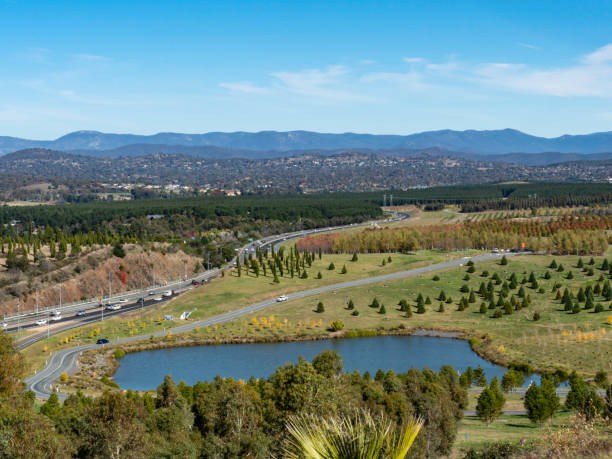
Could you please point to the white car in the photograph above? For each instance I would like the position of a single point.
(282, 298)
(41, 322)
(56, 316)
(167, 293)
(158, 298)
(4, 325)
(113, 307)
(123, 300)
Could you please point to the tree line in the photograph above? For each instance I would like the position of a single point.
(566, 235)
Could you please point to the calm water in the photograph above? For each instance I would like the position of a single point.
(146, 370)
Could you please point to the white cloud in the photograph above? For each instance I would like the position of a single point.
(90, 57)
(528, 45)
(591, 78)
(600, 56)
(412, 80)
(413, 60)
(367, 61)
(245, 87)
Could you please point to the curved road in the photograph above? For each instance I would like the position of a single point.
(64, 360)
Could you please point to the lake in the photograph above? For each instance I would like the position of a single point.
(146, 370)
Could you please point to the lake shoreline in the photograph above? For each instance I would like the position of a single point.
(107, 364)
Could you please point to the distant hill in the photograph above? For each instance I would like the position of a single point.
(307, 172)
(492, 142)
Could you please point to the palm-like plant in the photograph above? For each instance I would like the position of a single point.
(359, 436)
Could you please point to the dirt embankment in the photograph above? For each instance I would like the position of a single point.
(88, 277)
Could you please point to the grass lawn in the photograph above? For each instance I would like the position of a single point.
(232, 292)
(506, 428)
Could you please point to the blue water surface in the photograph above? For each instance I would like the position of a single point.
(146, 370)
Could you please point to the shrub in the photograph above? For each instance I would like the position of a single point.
(331, 266)
(355, 257)
(119, 354)
(436, 278)
(536, 316)
(64, 377)
(344, 271)
(497, 314)
(319, 275)
(320, 307)
(355, 312)
(336, 325)
(351, 305)
(118, 250)
(106, 380)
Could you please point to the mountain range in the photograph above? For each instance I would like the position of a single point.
(281, 144)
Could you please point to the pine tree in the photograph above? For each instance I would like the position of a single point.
(580, 264)
(331, 266)
(490, 402)
(483, 308)
(442, 296)
(375, 304)
(382, 309)
(441, 307)
(355, 257)
(320, 307)
(319, 275)
(504, 261)
(351, 305)
(344, 271)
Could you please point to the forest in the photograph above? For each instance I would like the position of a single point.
(86, 217)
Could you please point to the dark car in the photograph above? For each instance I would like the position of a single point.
(195, 282)
(102, 341)
(141, 300)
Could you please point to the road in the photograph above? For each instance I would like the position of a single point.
(64, 360)
(92, 308)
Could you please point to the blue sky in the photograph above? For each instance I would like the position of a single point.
(544, 67)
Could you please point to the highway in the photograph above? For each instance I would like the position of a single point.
(64, 360)
(92, 308)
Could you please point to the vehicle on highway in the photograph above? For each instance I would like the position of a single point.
(82, 312)
(195, 282)
(56, 315)
(102, 341)
(152, 293)
(157, 298)
(167, 293)
(4, 325)
(41, 322)
(123, 300)
(282, 298)
(113, 307)
(141, 300)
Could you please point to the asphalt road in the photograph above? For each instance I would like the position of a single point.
(92, 308)
(64, 360)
